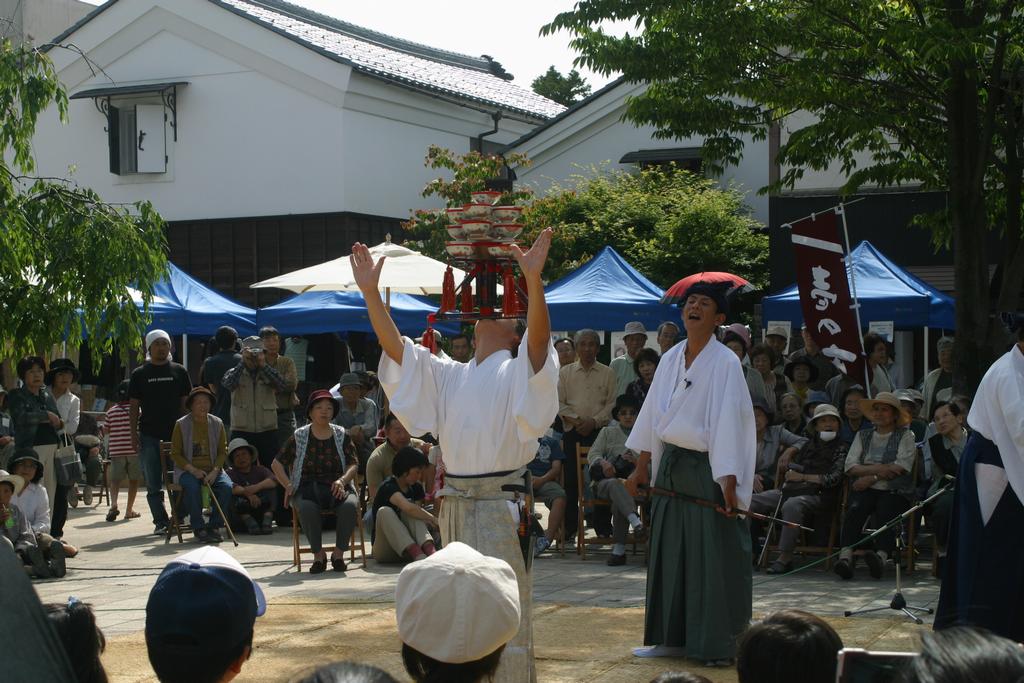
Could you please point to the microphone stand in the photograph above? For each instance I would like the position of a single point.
(898, 602)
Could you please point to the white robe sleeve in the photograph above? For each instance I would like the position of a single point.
(732, 439)
(643, 435)
(414, 387)
(535, 394)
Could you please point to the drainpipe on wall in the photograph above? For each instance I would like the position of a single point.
(479, 146)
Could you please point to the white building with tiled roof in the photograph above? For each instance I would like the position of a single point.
(268, 135)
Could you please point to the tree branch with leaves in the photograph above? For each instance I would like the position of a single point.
(69, 260)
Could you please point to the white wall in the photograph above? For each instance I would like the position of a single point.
(596, 135)
(39, 21)
(826, 179)
(268, 131)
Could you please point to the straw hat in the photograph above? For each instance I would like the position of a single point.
(886, 398)
(17, 482)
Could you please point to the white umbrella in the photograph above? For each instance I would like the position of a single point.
(405, 270)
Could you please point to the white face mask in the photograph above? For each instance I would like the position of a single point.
(827, 436)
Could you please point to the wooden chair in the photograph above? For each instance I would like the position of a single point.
(584, 505)
(804, 545)
(299, 550)
(175, 493)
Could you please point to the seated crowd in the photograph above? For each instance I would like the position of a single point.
(236, 452)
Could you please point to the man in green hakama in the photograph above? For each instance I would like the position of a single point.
(696, 430)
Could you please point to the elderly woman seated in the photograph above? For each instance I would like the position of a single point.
(199, 449)
(812, 476)
(879, 463)
(611, 462)
(316, 466)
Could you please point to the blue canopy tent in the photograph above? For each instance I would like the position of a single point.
(187, 306)
(606, 293)
(184, 305)
(884, 290)
(332, 311)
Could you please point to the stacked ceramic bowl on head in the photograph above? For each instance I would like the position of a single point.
(482, 230)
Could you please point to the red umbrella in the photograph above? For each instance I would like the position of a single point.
(675, 293)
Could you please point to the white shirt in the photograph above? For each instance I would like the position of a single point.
(997, 413)
(487, 417)
(35, 505)
(705, 407)
(69, 407)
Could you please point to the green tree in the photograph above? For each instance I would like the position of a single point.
(67, 259)
(565, 90)
(468, 173)
(668, 223)
(926, 91)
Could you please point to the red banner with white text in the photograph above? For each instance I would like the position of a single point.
(825, 292)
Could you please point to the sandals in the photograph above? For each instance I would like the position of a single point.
(132, 515)
(318, 567)
(778, 567)
(112, 515)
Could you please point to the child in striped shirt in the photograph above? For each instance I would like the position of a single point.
(124, 461)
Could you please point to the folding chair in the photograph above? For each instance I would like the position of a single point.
(174, 492)
(299, 550)
(584, 505)
(909, 525)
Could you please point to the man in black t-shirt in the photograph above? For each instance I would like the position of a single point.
(400, 524)
(214, 368)
(158, 389)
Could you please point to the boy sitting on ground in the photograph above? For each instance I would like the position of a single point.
(253, 486)
(400, 525)
(124, 461)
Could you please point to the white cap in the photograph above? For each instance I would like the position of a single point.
(635, 327)
(17, 481)
(153, 335)
(457, 605)
(778, 331)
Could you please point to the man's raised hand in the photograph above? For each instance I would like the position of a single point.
(364, 270)
(531, 263)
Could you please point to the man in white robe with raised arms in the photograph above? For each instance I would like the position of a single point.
(487, 413)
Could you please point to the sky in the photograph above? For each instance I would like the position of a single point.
(508, 32)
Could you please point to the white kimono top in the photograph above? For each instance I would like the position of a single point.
(997, 413)
(704, 408)
(487, 417)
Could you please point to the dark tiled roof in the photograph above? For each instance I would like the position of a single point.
(478, 79)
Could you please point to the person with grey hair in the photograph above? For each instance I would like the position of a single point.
(938, 384)
(586, 396)
(668, 335)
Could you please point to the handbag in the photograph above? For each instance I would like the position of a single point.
(67, 463)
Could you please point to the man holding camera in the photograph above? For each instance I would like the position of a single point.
(254, 385)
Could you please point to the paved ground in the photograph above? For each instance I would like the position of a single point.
(588, 615)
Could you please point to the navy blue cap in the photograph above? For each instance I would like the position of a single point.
(204, 596)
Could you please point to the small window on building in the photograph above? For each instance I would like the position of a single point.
(137, 135)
